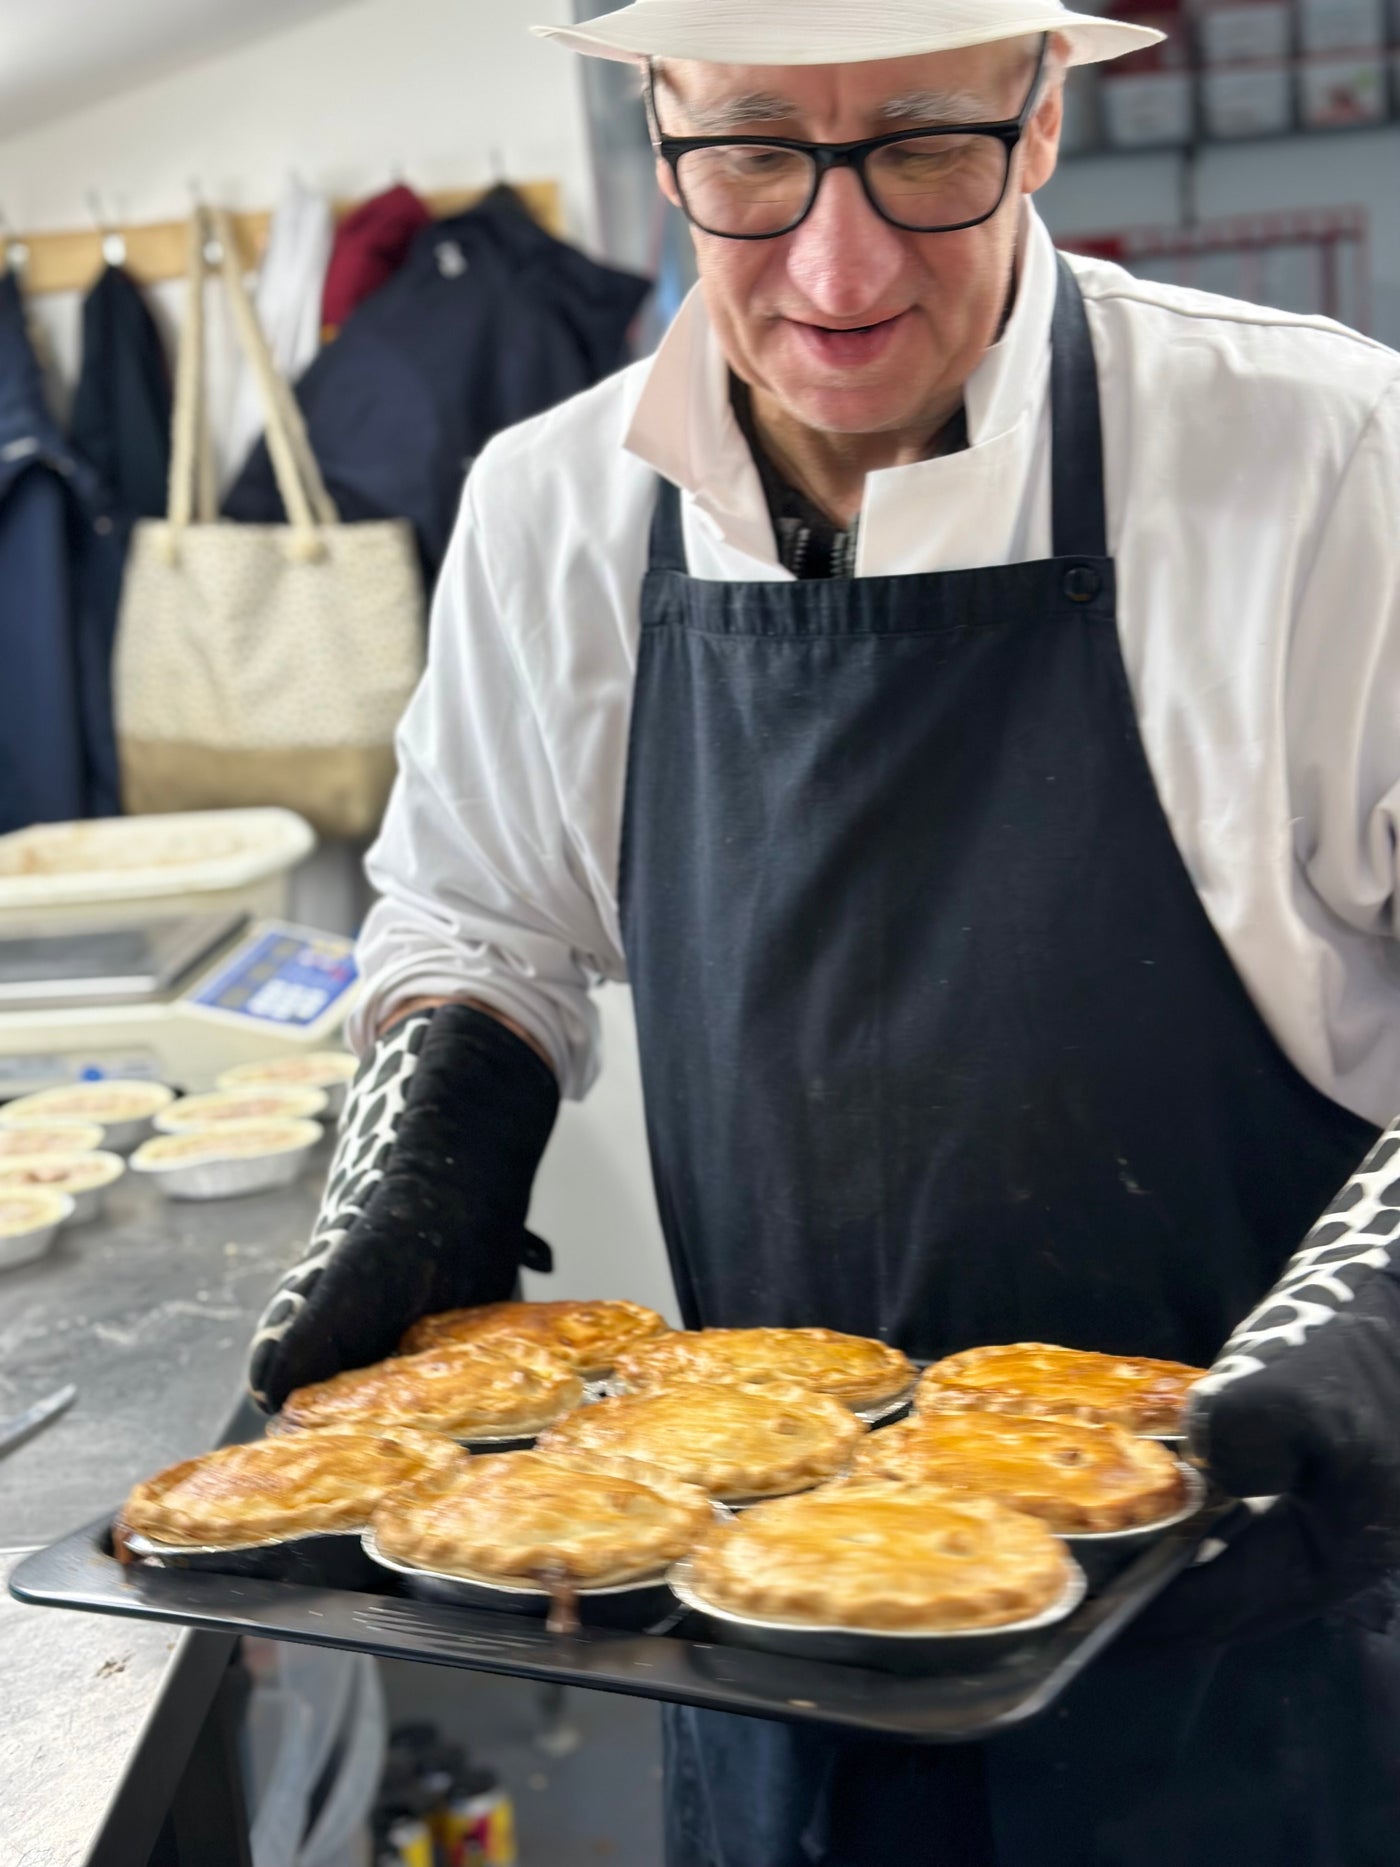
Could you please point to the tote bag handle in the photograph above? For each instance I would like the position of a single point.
(294, 466)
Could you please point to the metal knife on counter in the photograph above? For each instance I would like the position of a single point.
(24, 1425)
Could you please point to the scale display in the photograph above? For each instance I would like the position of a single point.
(281, 976)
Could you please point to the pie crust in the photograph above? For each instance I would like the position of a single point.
(1077, 1476)
(31, 1209)
(260, 1103)
(317, 1069)
(850, 1368)
(225, 1141)
(544, 1520)
(55, 1137)
(61, 1173)
(1035, 1378)
(304, 1484)
(109, 1102)
(733, 1441)
(886, 1558)
(466, 1392)
(587, 1336)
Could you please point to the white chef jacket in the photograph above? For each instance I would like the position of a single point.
(1252, 460)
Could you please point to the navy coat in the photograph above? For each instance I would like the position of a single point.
(489, 320)
(121, 406)
(62, 546)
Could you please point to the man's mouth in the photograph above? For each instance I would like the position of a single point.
(847, 346)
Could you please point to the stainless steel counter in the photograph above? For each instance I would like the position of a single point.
(149, 1311)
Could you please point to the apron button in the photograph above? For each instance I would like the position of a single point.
(1082, 584)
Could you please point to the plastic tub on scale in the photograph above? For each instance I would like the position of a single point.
(54, 875)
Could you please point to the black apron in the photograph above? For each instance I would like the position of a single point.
(939, 1045)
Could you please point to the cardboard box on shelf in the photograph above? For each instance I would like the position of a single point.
(1340, 25)
(1150, 109)
(1244, 32)
(1342, 90)
(1248, 100)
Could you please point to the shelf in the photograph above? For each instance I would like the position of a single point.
(1201, 145)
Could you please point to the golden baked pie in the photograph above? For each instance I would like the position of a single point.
(270, 1103)
(469, 1393)
(733, 1441)
(62, 1173)
(1035, 1378)
(1077, 1476)
(546, 1520)
(307, 1484)
(852, 1368)
(889, 1558)
(317, 1069)
(587, 1336)
(49, 1137)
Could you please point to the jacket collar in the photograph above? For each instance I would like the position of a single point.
(684, 427)
(28, 432)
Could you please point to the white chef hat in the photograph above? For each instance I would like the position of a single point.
(837, 32)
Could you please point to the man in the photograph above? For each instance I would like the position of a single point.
(960, 690)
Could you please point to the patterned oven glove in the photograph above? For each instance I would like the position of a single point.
(424, 1210)
(1303, 1406)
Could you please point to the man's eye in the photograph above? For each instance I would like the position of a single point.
(919, 158)
(760, 164)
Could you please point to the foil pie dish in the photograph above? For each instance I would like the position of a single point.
(884, 1650)
(330, 1559)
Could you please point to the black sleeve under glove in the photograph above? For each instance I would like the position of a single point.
(1304, 1405)
(425, 1206)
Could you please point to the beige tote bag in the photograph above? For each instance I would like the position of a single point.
(261, 664)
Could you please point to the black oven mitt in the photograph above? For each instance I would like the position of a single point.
(1303, 1406)
(424, 1210)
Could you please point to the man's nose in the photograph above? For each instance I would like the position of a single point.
(844, 258)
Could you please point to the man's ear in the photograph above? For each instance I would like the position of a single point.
(1041, 142)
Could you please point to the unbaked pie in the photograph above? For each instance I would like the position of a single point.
(49, 1137)
(109, 1101)
(1035, 1378)
(32, 1209)
(547, 1520)
(63, 1173)
(316, 1069)
(733, 1441)
(851, 1368)
(224, 1141)
(1077, 1476)
(469, 1393)
(588, 1336)
(307, 1484)
(887, 1558)
(267, 1103)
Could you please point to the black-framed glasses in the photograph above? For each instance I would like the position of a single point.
(922, 181)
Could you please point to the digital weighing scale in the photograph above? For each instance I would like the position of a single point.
(175, 1000)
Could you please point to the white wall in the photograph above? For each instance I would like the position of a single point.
(427, 86)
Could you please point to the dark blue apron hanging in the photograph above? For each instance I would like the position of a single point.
(938, 1042)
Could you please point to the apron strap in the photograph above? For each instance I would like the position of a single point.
(1079, 526)
(667, 531)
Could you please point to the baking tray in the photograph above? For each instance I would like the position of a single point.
(678, 1659)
